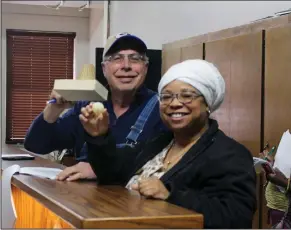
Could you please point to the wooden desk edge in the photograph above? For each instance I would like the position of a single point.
(70, 217)
(189, 221)
(76, 221)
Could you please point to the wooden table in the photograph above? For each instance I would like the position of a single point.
(44, 203)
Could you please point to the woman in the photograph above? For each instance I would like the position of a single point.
(278, 196)
(279, 218)
(196, 166)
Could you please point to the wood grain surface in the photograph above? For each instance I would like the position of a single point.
(277, 90)
(83, 204)
(32, 214)
(239, 59)
(277, 84)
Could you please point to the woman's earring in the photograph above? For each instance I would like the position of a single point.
(208, 111)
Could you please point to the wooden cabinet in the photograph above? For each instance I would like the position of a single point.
(277, 100)
(277, 86)
(192, 52)
(174, 55)
(169, 58)
(239, 59)
(218, 52)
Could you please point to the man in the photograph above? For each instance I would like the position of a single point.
(133, 111)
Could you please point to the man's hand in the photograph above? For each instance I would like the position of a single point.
(94, 125)
(52, 111)
(151, 188)
(82, 170)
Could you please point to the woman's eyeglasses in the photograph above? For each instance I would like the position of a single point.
(183, 97)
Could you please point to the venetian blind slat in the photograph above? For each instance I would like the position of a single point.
(34, 61)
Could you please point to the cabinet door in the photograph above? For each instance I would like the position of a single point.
(170, 57)
(239, 60)
(277, 101)
(192, 52)
(277, 117)
(218, 53)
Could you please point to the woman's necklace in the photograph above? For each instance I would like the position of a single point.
(178, 156)
(168, 163)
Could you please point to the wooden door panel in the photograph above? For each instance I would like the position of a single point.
(218, 53)
(246, 84)
(277, 105)
(192, 52)
(170, 57)
(277, 84)
(239, 59)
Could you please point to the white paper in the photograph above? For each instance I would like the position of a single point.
(9, 215)
(258, 162)
(42, 172)
(16, 155)
(283, 154)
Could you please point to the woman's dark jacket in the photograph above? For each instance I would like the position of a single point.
(215, 177)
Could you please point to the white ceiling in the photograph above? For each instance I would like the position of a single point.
(93, 4)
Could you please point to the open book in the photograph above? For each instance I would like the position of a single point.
(10, 215)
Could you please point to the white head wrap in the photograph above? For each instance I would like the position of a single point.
(202, 75)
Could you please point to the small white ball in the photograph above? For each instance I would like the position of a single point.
(97, 108)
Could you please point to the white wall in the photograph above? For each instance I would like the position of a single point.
(1, 105)
(1, 116)
(96, 28)
(159, 22)
(41, 18)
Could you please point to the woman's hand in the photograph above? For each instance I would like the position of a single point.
(95, 125)
(152, 188)
(277, 178)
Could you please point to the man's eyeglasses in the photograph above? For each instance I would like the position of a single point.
(132, 58)
(183, 97)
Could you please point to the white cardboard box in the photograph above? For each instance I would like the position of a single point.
(78, 90)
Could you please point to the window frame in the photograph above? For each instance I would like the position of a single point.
(9, 66)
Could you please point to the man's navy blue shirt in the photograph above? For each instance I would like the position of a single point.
(68, 133)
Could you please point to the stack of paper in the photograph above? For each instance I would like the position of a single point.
(283, 155)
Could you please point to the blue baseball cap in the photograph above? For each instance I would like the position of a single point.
(124, 41)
